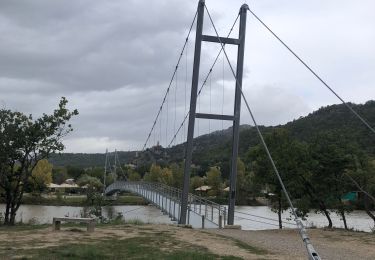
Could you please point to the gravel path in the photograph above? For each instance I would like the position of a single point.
(337, 244)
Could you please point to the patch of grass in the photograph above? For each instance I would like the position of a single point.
(22, 227)
(144, 247)
(147, 246)
(250, 248)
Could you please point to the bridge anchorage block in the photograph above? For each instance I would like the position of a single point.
(232, 227)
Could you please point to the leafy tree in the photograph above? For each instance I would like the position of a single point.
(214, 180)
(362, 176)
(166, 176)
(23, 143)
(291, 159)
(178, 175)
(134, 176)
(41, 176)
(93, 186)
(59, 175)
(331, 153)
(196, 182)
(245, 186)
(75, 172)
(97, 172)
(154, 174)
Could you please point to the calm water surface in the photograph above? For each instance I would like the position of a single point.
(250, 218)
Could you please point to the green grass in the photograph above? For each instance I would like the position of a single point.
(152, 246)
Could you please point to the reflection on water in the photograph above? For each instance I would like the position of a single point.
(358, 220)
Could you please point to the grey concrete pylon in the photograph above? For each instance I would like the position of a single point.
(237, 113)
(193, 105)
(240, 42)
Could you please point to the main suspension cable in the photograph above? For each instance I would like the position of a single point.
(170, 82)
(312, 253)
(314, 73)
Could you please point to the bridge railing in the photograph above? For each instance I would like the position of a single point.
(168, 200)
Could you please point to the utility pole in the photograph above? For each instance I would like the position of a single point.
(235, 118)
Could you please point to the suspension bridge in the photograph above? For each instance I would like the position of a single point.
(179, 204)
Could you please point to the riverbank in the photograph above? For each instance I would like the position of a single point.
(124, 241)
(145, 241)
(78, 200)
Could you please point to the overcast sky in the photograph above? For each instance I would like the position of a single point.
(113, 60)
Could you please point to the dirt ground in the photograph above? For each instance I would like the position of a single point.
(330, 244)
(46, 237)
(270, 244)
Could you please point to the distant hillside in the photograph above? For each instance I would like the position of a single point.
(88, 159)
(215, 148)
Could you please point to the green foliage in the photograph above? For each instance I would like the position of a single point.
(134, 176)
(93, 189)
(214, 180)
(154, 174)
(41, 176)
(75, 172)
(59, 175)
(247, 188)
(23, 143)
(196, 182)
(292, 160)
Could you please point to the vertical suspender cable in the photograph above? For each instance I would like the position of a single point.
(206, 78)
(222, 104)
(170, 83)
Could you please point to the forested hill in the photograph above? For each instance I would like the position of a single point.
(215, 148)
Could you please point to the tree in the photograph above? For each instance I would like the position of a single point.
(23, 143)
(331, 153)
(178, 175)
(214, 180)
(166, 177)
(245, 185)
(291, 159)
(75, 172)
(154, 174)
(41, 176)
(59, 175)
(362, 176)
(93, 186)
(196, 182)
(134, 176)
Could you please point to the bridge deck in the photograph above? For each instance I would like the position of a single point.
(202, 213)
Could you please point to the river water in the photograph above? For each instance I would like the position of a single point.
(250, 218)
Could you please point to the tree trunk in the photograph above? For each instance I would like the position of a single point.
(7, 213)
(367, 207)
(8, 199)
(344, 219)
(323, 208)
(311, 192)
(12, 221)
(342, 213)
(279, 214)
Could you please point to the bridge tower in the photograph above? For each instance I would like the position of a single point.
(235, 118)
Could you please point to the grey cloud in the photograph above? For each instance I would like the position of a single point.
(113, 61)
